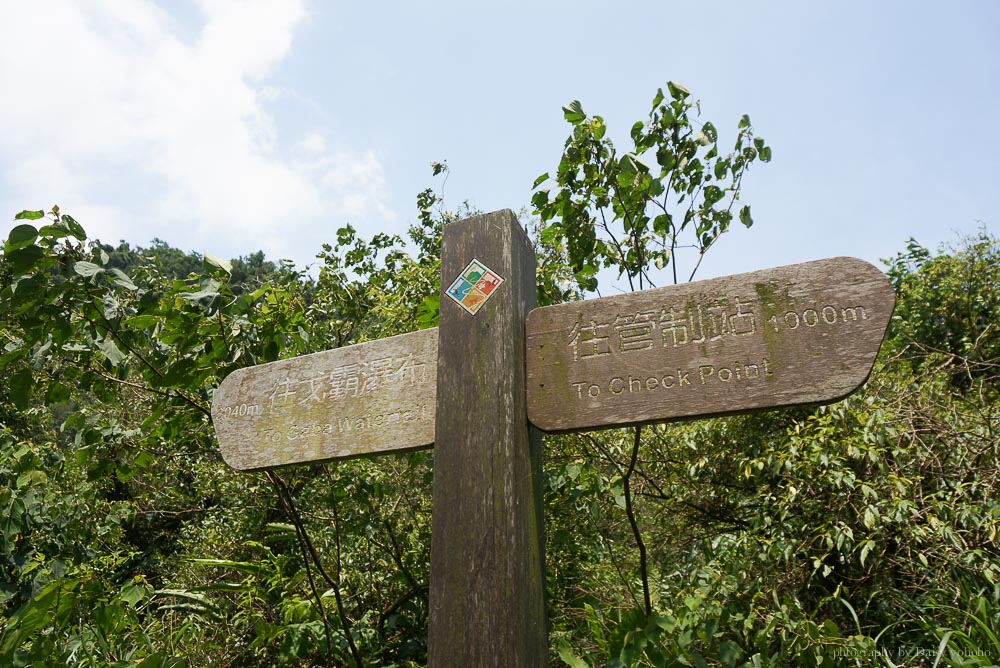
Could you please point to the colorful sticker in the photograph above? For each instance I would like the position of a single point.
(474, 286)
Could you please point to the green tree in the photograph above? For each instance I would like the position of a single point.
(950, 304)
(673, 190)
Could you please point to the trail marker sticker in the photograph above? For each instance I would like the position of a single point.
(474, 286)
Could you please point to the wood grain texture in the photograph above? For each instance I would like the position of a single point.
(487, 597)
(363, 399)
(800, 334)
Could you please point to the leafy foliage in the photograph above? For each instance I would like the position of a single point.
(115, 478)
(950, 305)
(636, 211)
(862, 533)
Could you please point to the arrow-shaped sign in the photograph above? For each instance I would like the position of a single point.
(800, 334)
(359, 400)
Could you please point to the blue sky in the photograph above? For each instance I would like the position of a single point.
(226, 127)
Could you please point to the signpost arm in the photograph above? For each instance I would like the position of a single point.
(487, 596)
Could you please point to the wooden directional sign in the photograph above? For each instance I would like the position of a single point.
(799, 334)
(363, 399)
(805, 333)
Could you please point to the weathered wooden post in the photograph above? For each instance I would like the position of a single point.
(487, 597)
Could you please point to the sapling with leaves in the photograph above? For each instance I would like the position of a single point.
(672, 190)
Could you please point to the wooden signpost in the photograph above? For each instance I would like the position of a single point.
(495, 369)
(487, 592)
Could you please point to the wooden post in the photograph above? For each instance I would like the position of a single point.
(487, 592)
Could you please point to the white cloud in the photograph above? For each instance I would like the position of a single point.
(110, 109)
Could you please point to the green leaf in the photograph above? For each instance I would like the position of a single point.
(710, 132)
(540, 180)
(744, 122)
(573, 112)
(142, 321)
(713, 194)
(630, 164)
(26, 287)
(729, 653)
(870, 517)
(21, 236)
(765, 154)
(183, 594)
(428, 311)
(656, 188)
(31, 478)
(243, 566)
(29, 215)
(53, 231)
(745, 217)
(677, 91)
(280, 528)
(661, 224)
(112, 307)
(179, 374)
(212, 262)
(199, 295)
(942, 646)
(87, 269)
(224, 586)
(74, 227)
(636, 134)
(57, 393)
(144, 459)
(598, 127)
(12, 356)
(122, 279)
(666, 158)
(569, 658)
(132, 594)
(20, 388)
(665, 622)
(110, 351)
(658, 99)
